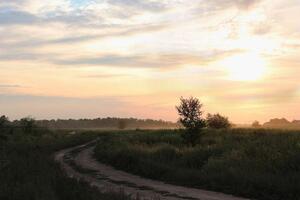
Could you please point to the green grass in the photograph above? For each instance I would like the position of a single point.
(257, 163)
(28, 170)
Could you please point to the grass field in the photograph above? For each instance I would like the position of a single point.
(256, 163)
(28, 171)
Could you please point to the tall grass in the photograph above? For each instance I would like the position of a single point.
(258, 163)
(28, 171)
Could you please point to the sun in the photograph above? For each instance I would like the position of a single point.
(245, 67)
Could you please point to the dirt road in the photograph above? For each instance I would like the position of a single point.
(78, 162)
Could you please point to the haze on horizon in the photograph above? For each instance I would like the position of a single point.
(135, 58)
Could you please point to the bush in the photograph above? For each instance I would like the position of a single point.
(256, 124)
(217, 121)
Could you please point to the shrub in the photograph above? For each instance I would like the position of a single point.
(217, 121)
(256, 124)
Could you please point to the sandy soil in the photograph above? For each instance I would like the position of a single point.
(106, 178)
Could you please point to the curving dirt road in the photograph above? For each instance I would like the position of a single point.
(78, 162)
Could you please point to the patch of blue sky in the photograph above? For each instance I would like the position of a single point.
(80, 3)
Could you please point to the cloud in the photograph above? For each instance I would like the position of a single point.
(136, 61)
(262, 29)
(158, 61)
(93, 14)
(13, 17)
(20, 55)
(12, 3)
(223, 4)
(17, 48)
(246, 4)
(129, 31)
(75, 18)
(26, 54)
(111, 60)
(140, 4)
(9, 86)
(106, 75)
(72, 39)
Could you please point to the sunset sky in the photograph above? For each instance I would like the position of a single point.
(135, 58)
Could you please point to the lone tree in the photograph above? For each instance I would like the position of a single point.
(190, 112)
(217, 121)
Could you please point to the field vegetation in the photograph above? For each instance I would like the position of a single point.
(256, 163)
(28, 171)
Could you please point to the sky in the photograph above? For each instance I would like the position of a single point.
(136, 58)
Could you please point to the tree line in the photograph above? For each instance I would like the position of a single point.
(98, 123)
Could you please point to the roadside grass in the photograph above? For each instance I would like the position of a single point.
(255, 163)
(28, 171)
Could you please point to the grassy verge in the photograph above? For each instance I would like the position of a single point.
(28, 170)
(262, 164)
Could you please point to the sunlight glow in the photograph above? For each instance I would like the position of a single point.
(245, 67)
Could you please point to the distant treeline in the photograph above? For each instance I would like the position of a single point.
(277, 123)
(282, 123)
(107, 123)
